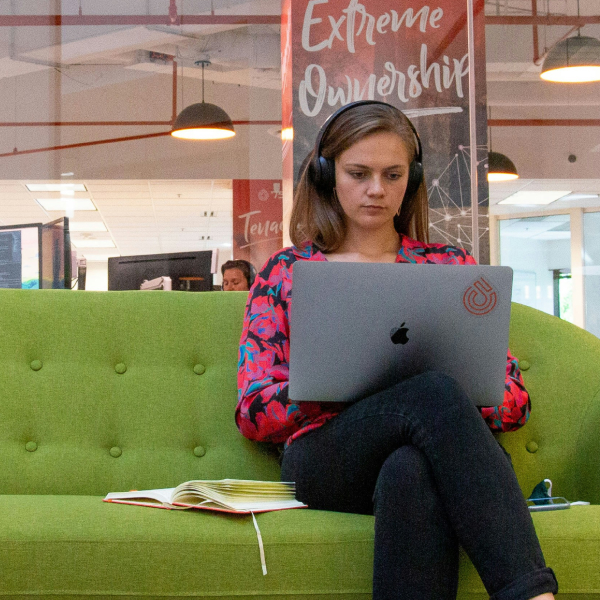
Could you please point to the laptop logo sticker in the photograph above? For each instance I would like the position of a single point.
(480, 298)
(399, 335)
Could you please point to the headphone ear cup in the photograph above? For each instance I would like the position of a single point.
(324, 175)
(415, 177)
(328, 168)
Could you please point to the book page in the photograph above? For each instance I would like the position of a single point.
(235, 495)
(238, 494)
(161, 496)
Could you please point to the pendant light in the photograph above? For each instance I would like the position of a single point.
(574, 60)
(500, 167)
(203, 121)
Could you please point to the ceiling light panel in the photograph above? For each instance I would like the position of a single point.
(64, 204)
(535, 197)
(56, 187)
(570, 197)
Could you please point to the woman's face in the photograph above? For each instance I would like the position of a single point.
(234, 281)
(371, 178)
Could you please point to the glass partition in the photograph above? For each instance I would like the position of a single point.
(90, 89)
(539, 251)
(89, 93)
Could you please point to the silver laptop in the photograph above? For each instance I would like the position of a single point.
(357, 328)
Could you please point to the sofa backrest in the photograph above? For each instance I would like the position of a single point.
(112, 391)
(561, 370)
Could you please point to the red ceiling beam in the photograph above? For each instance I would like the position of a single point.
(130, 138)
(95, 20)
(544, 122)
(111, 123)
(536, 52)
(573, 21)
(82, 123)
(92, 20)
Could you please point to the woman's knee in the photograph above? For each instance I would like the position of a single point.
(435, 390)
(405, 477)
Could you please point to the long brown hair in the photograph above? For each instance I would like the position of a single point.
(318, 216)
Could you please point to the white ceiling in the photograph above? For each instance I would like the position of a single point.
(141, 217)
(503, 189)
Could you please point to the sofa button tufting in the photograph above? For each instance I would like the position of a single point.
(120, 368)
(199, 451)
(115, 452)
(199, 369)
(532, 447)
(31, 446)
(524, 365)
(36, 365)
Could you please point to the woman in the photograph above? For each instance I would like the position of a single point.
(419, 455)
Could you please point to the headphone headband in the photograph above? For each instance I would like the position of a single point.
(322, 170)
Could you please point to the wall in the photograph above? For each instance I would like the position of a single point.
(96, 278)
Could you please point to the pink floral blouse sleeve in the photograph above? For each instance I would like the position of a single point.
(514, 410)
(264, 412)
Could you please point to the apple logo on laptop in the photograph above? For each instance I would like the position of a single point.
(399, 335)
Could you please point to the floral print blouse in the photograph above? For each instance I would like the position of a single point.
(264, 412)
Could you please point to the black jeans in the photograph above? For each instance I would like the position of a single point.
(420, 458)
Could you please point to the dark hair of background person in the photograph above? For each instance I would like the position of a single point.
(247, 269)
(318, 216)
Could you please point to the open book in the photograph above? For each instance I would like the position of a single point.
(225, 495)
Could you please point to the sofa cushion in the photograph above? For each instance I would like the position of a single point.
(560, 441)
(79, 546)
(117, 390)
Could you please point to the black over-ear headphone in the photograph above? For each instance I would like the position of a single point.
(252, 274)
(322, 170)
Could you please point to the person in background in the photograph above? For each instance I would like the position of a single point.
(419, 455)
(238, 275)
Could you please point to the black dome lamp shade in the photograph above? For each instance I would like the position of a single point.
(500, 167)
(574, 60)
(203, 121)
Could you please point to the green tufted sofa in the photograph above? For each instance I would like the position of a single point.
(110, 391)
